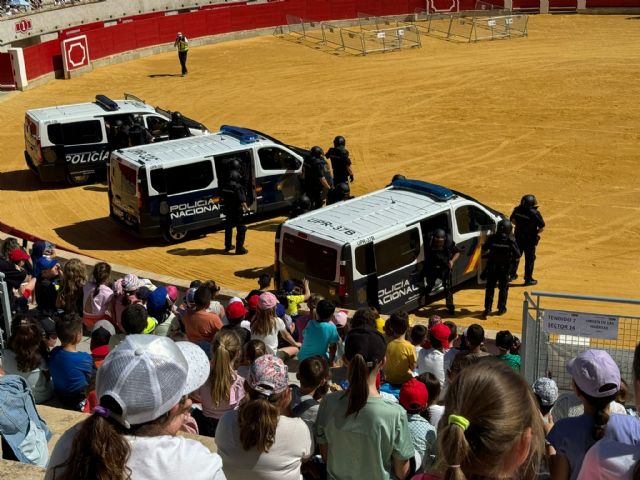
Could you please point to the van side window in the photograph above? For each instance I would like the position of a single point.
(397, 252)
(471, 219)
(441, 220)
(75, 133)
(365, 259)
(185, 178)
(272, 158)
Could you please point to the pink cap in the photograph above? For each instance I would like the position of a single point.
(267, 300)
(172, 292)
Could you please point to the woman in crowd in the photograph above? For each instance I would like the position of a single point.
(97, 297)
(361, 436)
(28, 356)
(142, 388)
(258, 441)
(266, 326)
(70, 295)
(225, 388)
(491, 427)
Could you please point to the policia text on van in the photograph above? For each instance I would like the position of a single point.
(370, 250)
(174, 187)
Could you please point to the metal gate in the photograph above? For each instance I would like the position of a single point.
(558, 326)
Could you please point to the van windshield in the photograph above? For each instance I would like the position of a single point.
(309, 258)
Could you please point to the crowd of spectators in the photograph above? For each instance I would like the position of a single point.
(19, 7)
(374, 398)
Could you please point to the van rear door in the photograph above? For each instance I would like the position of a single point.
(277, 177)
(123, 192)
(32, 153)
(399, 262)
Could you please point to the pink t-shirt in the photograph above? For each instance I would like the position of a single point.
(101, 303)
(216, 411)
(301, 324)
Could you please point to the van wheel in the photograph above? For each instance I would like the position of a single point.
(171, 236)
(78, 180)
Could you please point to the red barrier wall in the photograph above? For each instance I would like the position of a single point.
(155, 28)
(6, 74)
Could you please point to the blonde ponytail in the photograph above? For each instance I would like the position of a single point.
(226, 347)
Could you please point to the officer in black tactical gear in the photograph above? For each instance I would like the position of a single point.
(315, 177)
(340, 161)
(302, 205)
(338, 194)
(441, 253)
(176, 127)
(138, 134)
(234, 206)
(501, 251)
(529, 224)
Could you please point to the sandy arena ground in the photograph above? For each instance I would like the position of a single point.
(554, 114)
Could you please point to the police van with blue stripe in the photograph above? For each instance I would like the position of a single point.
(370, 250)
(172, 188)
(73, 142)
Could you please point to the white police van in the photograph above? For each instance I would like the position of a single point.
(73, 142)
(171, 188)
(370, 250)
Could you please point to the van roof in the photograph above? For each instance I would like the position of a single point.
(371, 214)
(88, 110)
(190, 148)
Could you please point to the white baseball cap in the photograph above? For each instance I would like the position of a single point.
(147, 375)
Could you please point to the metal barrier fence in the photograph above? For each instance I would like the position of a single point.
(555, 329)
(471, 26)
(371, 34)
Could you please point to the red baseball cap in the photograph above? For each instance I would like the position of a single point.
(414, 395)
(18, 254)
(253, 302)
(441, 333)
(236, 311)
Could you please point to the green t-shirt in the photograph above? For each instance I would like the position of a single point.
(363, 446)
(512, 360)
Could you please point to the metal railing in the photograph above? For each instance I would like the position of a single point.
(5, 310)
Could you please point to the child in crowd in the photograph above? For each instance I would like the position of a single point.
(350, 425)
(491, 427)
(321, 335)
(617, 455)
(141, 390)
(40, 248)
(46, 288)
(264, 281)
(250, 352)
(417, 336)
(134, 322)
(414, 397)
(252, 306)
(20, 283)
(545, 391)
(200, 324)
(473, 341)
(450, 354)
(101, 335)
(433, 412)
(258, 440)
(98, 297)
(433, 321)
(170, 324)
(596, 380)
(224, 389)
(28, 356)
(215, 306)
(432, 359)
(504, 342)
(302, 320)
(341, 321)
(70, 369)
(379, 321)
(364, 318)
(124, 295)
(314, 376)
(266, 326)
(401, 355)
(294, 299)
(70, 294)
(236, 318)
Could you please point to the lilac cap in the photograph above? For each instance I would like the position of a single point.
(595, 373)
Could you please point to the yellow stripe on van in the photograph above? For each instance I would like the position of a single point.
(473, 263)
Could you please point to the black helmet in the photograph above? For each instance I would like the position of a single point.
(529, 201)
(342, 188)
(439, 233)
(397, 176)
(316, 152)
(176, 116)
(505, 227)
(117, 123)
(137, 120)
(304, 201)
(339, 141)
(234, 176)
(235, 164)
